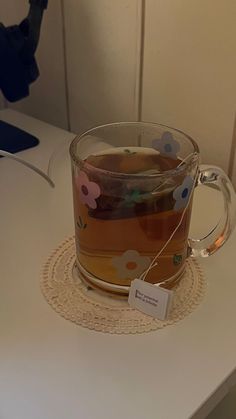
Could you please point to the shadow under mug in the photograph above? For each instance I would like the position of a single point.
(133, 186)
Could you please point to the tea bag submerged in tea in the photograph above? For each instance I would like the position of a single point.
(127, 196)
(130, 160)
(91, 144)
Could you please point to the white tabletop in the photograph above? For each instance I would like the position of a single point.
(53, 369)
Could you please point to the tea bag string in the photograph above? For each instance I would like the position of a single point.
(180, 164)
(154, 261)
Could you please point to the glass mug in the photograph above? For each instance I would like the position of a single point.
(133, 186)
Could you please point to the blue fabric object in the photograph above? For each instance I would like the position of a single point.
(18, 43)
(43, 4)
(15, 74)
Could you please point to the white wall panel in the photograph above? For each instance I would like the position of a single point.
(234, 176)
(233, 156)
(189, 71)
(102, 41)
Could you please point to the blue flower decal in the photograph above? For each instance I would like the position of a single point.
(167, 145)
(182, 193)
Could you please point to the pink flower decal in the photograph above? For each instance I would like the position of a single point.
(88, 191)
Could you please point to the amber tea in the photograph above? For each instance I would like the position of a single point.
(123, 221)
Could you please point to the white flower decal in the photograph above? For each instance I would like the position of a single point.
(131, 264)
(167, 145)
(182, 193)
(88, 191)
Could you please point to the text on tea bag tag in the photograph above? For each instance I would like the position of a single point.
(150, 299)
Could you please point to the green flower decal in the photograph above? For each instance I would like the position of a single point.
(134, 197)
(80, 224)
(177, 259)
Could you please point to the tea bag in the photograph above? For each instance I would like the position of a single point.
(131, 196)
(130, 160)
(91, 145)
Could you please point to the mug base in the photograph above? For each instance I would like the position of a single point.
(120, 291)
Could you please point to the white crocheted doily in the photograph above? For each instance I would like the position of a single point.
(70, 298)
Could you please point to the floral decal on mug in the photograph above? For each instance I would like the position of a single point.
(88, 191)
(131, 264)
(177, 259)
(167, 145)
(182, 193)
(80, 224)
(132, 198)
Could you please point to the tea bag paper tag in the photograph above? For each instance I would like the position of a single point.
(150, 299)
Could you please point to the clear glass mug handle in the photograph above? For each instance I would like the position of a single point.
(217, 179)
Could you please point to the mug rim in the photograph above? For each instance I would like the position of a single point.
(81, 163)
